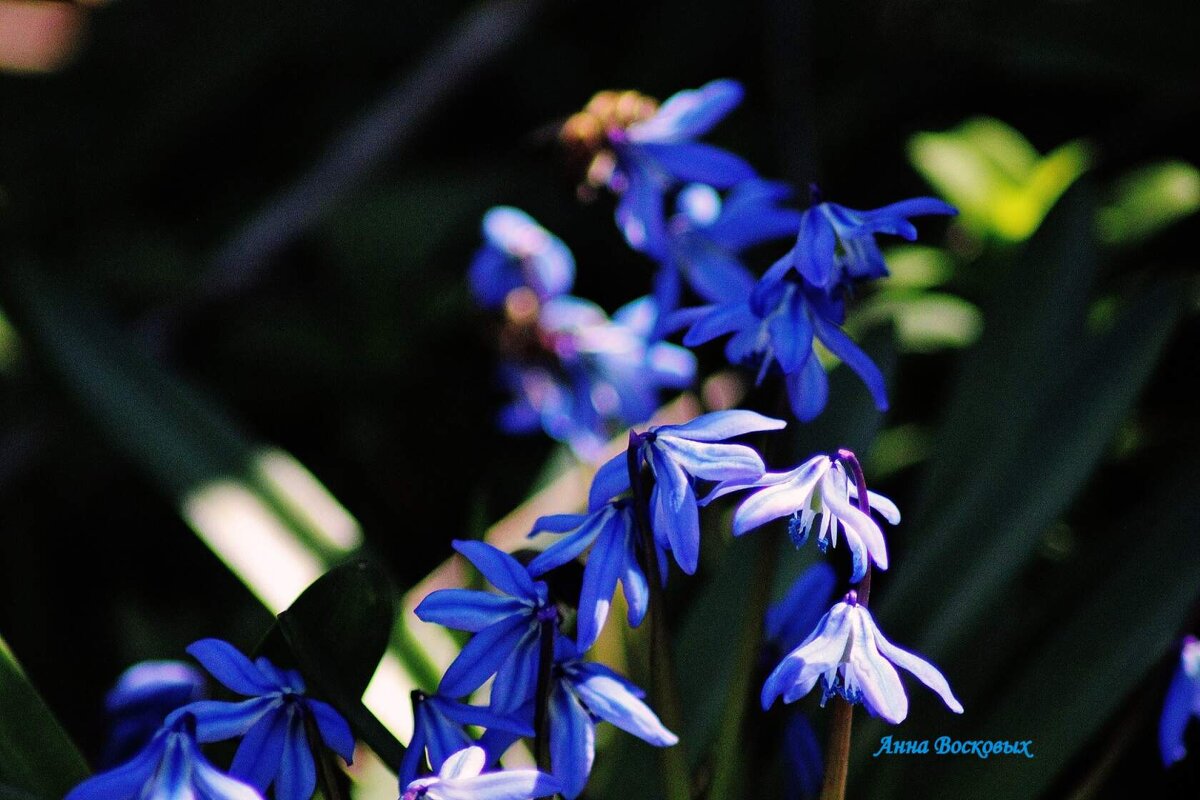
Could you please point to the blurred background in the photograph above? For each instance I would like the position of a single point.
(233, 244)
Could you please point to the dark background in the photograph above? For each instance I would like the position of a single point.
(352, 343)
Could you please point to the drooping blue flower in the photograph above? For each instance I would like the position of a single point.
(677, 456)
(802, 756)
(836, 245)
(773, 326)
(518, 252)
(438, 732)
(707, 236)
(584, 693)
(817, 488)
(273, 721)
(170, 767)
(507, 628)
(659, 153)
(1182, 703)
(141, 699)
(461, 778)
(612, 533)
(851, 658)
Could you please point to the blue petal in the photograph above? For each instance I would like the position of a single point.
(639, 215)
(227, 664)
(808, 389)
(691, 112)
(667, 290)
(1177, 711)
(611, 480)
(127, 780)
(673, 505)
(467, 609)
(215, 785)
(513, 784)
(482, 717)
(261, 751)
(516, 678)
(633, 580)
(841, 345)
(573, 745)
(803, 756)
(699, 163)
(492, 275)
(482, 656)
(217, 721)
(816, 248)
(893, 218)
(568, 549)
(414, 755)
(334, 729)
(717, 275)
(607, 695)
(749, 227)
(791, 334)
(502, 570)
(712, 461)
(794, 617)
(719, 321)
(605, 565)
(297, 778)
(720, 425)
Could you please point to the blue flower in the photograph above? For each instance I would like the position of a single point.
(507, 628)
(817, 488)
(460, 778)
(852, 659)
(836, 245)
(802, 757)
(774, 325)
(519, 252)
(611, 532)
(141, 699)
(677, 455)
(584, 693)
(273, 722)
(1182, 703)
(170, 767)
(601, 372)
(656, 154)
(707, 235)
(438, 732)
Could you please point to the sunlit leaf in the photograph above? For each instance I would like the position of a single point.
(1148, 200)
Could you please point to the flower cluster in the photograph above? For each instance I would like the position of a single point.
(573, 372)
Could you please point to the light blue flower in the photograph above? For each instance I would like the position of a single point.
(170, 767)
(611, 532)
(657, 154)
(677, 456)
(273, 722)
(460, 778)
(507, 628)
(141, 699)
(836, 245)
(818, 488)
(438, 732)
(519, 252)
(851, 658)
(1182, 703)
(586, 692)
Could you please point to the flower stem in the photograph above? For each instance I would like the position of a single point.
(837, 752)
(664, 692)
(541, 720)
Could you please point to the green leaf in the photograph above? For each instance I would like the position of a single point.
(38, 761)
(1148, 200)
(335, 634)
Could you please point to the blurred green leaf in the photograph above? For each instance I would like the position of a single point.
(38, 761)
(1148, 200)
(916, 266)
(924, 322)
(1001, 186)
(335, 634)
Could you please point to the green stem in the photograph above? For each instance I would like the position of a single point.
(541, 720)
(729, 745)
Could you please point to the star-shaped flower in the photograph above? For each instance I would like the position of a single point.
(677, 456)
(851, 658)
(460, 778)
(507, 628)
(817, 488)
(170, 767)
(141, 699)
(1182, 703)
(273, 722)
